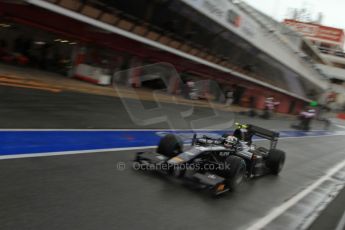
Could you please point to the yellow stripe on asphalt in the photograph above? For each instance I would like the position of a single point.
(54, 90)
(24, 83)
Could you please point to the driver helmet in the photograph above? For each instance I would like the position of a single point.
(230, 142)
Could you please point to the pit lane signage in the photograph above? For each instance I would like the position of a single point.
(226, 14)
(317, 31)
(233, 18)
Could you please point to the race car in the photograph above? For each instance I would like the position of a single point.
(216, 164)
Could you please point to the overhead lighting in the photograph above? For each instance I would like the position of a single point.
(64, 41)
(40, 43)
(72, 43)
(5, 25)
(57, 40)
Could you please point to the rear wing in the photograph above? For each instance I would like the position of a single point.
(264, 133)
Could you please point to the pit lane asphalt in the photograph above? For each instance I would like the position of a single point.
(87, 191)
(331, 217)
(35, 109)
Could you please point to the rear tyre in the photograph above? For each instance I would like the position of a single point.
(275, 160)
(236, 172)
(170, 145)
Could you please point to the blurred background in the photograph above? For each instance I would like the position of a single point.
(91, 82)
(248, 53)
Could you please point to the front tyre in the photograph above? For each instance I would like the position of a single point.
(235, 172)
(170, 146)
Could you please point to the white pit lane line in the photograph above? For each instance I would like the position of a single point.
(340, 126)
(279, 210)
(48, 154)
(341, 224)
